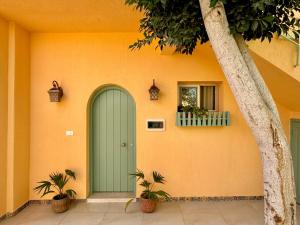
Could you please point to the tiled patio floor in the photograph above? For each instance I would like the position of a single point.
(172, 213)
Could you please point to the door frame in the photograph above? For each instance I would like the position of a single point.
(292, 122)
(91, 101)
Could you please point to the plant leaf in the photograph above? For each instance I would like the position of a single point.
(158, 178)
(71, 193)
(44, 187)
(70, 173)
(164, 195)
(145, 184)
(139, 174)
(127, 204)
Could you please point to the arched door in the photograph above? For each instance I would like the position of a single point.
(112, 141)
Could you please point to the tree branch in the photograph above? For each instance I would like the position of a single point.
(257, 77)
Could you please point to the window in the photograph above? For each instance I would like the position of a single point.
(201, 95)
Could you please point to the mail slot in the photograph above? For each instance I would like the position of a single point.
(156, 125)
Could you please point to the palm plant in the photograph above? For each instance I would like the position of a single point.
(150, 192)
(56, 184)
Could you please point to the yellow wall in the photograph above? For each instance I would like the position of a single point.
(18, 145)
(279, 52)
(196, 161)
(3, 111)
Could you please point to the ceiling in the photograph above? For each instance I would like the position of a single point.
(71, 15)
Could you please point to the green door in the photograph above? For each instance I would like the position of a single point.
(295, 145)
(113, 141)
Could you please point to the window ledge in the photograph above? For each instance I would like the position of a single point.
(213, 119)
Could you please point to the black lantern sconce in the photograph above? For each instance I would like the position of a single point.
(154, 91)
(56, 92)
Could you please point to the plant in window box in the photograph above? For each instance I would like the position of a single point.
(194, 110)
(150, 195)
(56, 184)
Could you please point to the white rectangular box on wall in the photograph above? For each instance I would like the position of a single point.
(156, 125)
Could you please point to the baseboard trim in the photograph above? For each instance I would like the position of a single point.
(7, 215)
(218, 198)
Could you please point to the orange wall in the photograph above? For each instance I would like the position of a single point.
(280, 52)
(196, 161)
(18, 118)
(3, 111)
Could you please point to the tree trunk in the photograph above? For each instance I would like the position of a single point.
(256, 76)
(260, 116)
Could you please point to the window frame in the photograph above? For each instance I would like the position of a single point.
(198, 86)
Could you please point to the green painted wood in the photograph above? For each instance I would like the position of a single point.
(223, 119)
(204, 121)
(228, 119)
(189, 119)
(101, 173)
(213, 119)
(178, 119)
(184, 119)
(131, 154)
(112, 123)
(194, 123)
(124, 139)
(219, 119)
(109, 141)
(295, 148)
(117, 140)
(209, 120)
(199, 123)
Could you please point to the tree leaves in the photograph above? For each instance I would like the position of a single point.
(180, 24)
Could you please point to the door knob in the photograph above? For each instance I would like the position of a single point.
(123, 144)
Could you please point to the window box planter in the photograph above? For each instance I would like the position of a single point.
(213, 119)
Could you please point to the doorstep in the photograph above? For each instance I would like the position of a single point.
(108, 197)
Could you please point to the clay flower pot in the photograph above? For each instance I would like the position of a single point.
(60, 205)
(147, 205)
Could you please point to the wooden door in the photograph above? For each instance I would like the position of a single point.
(295, 146)
(113, 141)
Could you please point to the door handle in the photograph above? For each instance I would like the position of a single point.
(123, 145)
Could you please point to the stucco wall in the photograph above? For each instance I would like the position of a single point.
(196, 161)
(280, 52)
(22, 117)
(18, 131)
(3, 111)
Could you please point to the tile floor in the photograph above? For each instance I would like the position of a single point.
(171, 213)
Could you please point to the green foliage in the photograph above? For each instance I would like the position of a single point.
(158, 178)
(150, 191)
(57, 181)
(139, 174)
(197, 111)
(180, 24)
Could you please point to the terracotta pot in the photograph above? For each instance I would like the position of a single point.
(147, 205)
(60, 205)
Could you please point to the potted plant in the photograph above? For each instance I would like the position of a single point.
(150, 196)
(56, 184)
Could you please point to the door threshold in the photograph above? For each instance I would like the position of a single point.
(110, 197)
